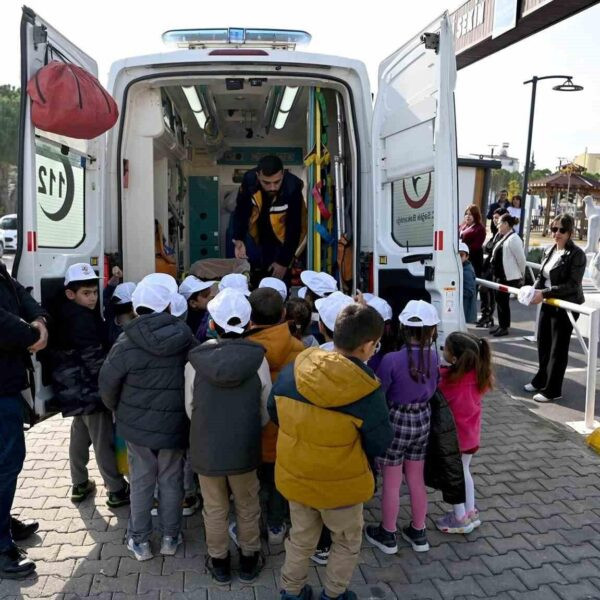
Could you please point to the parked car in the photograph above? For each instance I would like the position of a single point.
(8, 226)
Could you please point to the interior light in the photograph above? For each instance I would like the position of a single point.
(280, 120)
(192, 97)
(194, 101)
(288, 99)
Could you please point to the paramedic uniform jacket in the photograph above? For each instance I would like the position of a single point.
(17, 309)
(274, 225)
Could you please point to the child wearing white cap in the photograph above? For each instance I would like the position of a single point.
(79, 348)
(409, 378)
(142, 381)
(277, 284)
(389, 339)
(227, 384)
(118, 307)
(328, 309)
(197, 293)
(316, 285)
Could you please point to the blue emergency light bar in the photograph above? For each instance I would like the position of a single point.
(285, 39)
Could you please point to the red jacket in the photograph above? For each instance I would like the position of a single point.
(464, 400)
(473, 236)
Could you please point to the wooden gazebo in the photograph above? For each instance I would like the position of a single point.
(564, 192)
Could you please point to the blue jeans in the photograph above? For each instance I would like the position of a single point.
(12, 457)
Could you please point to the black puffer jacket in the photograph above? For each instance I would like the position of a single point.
(225, 434)
(76, 353)
(142, 381)
(443, 465)
(17, 310)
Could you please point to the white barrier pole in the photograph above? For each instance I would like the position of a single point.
(590, 383)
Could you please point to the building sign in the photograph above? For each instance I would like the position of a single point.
(468, 19)
(60, 185)
(505, 16)
(412, 210)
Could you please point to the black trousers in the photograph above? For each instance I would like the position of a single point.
(553, 338)
(503, 303)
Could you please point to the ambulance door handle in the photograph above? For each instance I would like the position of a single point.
(412, 258)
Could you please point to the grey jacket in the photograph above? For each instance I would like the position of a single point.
(227, 406)
(142, 380)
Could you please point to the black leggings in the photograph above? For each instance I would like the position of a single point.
(503, 303)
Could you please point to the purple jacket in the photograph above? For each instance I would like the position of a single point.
(399, 386)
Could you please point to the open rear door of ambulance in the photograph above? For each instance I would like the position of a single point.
(415, 177)
(58, 190)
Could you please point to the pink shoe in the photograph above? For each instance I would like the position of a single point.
(450, 524)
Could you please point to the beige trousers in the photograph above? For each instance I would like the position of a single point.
(215, 494)
(345, 525)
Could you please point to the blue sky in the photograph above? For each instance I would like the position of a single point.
(492, 102)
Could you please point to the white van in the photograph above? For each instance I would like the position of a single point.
(193, 120)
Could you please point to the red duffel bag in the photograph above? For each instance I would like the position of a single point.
(68, 100)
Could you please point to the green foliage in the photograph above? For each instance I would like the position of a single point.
(9, 124)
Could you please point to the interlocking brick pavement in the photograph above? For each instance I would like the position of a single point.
(538, 490)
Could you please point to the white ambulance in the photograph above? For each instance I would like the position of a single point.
(193, 120)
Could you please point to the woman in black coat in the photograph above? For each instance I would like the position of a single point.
(563, 266)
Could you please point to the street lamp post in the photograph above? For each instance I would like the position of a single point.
(566, 86)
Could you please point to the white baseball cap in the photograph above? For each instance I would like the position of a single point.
(151, 295)
(462, 247)
(320, 283)
(423, 313)
(331, 306)
(179, 305)
(191, 284)
(235, 281)
(302, 292)
(80, 272)
(161, 279)
(380, 305)
(228, 304)
(123, 292)
(275, 284)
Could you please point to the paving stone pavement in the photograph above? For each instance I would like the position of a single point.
(538, 490)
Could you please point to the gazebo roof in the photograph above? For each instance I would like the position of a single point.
(578, 183)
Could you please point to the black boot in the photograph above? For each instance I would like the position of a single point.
(220, 569)
(251, 566)
(14, 564)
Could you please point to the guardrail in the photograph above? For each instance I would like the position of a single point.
(590, 349)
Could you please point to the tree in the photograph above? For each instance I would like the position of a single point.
(9, 142)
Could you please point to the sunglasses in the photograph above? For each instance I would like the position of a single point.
(557, 229)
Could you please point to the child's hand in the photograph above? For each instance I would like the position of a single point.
(359, 298)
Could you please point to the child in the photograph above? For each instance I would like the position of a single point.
(179, 307)
(197, 293)
(328, 432)
(469, 285)
(276, 284)
(78, 354)
(299, 317)
(409, 378)
(227, 386)
(268, 329)
(389, 339)
(118, 308)
(328, 309)
(463, 383)
(316, 285)
(142, 381)
(235, 281)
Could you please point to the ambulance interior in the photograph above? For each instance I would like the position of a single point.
(211, 132)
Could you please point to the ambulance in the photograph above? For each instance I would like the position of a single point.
(193, 120)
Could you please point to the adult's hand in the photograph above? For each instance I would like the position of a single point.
(240, 249)
(537, 297)
(43, 341)
(278, 270)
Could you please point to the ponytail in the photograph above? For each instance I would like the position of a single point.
(472, 354)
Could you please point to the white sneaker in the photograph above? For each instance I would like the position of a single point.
(528, 387)
(140, 551)
(539, 397)
(277, 534)
(169, 544)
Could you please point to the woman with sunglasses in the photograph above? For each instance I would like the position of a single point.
(562, 269)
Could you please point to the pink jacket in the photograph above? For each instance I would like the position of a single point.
(464, 400)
